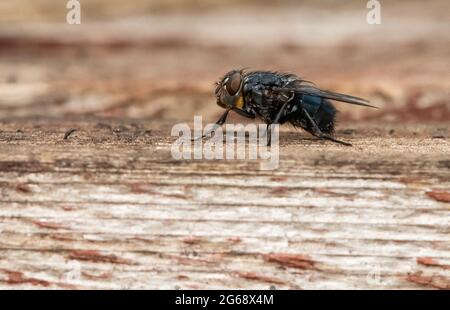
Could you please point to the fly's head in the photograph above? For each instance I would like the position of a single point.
(229, 90)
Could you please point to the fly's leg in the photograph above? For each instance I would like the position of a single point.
(318, 133)
(281, 113)
(217, 125)
(267, 129)
(269, 134)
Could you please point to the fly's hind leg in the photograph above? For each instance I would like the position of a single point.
(318, 133)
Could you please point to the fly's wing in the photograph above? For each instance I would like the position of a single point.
(311, 90)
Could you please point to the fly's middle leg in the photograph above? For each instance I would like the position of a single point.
(280, 115)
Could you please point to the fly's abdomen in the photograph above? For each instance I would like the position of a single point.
(325, 116)
(321, 110)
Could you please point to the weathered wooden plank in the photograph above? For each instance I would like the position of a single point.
(124, 214)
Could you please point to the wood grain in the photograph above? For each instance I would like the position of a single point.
(109, 208)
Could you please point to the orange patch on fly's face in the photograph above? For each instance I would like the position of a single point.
(240, 102)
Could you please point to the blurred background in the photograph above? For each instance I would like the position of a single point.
(158, 59)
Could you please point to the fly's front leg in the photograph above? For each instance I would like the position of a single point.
(217, 125)
(318, 133)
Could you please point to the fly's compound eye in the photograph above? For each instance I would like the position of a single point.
(233, 83)
(217, 91)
